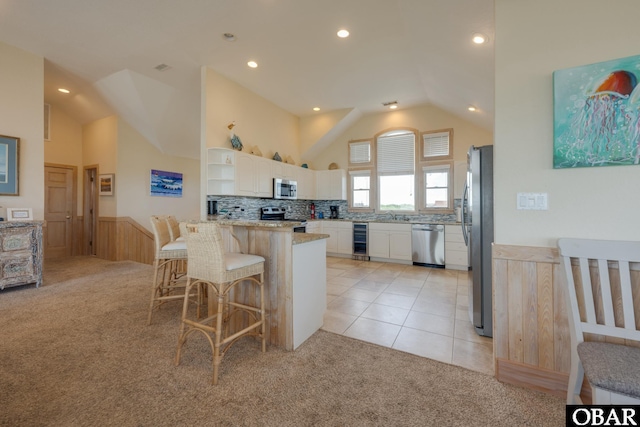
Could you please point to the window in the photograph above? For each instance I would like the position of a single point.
(396, 170)
(360, 188)
(360, 172)
(360, 153)
(437, 182)
(436, 145)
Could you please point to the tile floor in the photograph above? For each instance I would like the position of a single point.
(418, 310)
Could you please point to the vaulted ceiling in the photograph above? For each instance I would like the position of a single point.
(106, 53)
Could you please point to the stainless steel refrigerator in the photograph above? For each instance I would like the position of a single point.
(477, 227)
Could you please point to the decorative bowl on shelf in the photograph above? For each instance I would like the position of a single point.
(333, 166)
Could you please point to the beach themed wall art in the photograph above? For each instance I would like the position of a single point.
(168, 184)
(596, 114)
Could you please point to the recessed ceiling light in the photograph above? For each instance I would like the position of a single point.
(229, 37)
(316, 108)
(252, 64)
(472, 108)
(343, 33)
(479, 38)
(393, 107)
(63, 90)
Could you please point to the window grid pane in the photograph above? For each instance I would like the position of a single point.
(359, 152)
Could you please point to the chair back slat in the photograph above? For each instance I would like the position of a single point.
(602, 301)
(605, 292)
(587, 291)
(173, 226)
(627, 296)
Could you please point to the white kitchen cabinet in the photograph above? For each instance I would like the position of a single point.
(390, 241)
(314, 227)
(331, 184)
(340, 239)
(456, 253)
(253, 176)
(283, 170)
(306, 180)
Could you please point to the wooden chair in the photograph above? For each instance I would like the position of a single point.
(168, 266)
(603, 319)
(222, 274)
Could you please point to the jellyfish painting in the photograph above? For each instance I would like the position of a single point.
(597, 115)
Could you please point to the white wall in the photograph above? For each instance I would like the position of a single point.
(65, 146)
(100, 147)
(136, 157)
(258, 121)
(533, 39)
(22, 116)
(423, 118)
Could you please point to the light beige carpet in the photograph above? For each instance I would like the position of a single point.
(78, 352)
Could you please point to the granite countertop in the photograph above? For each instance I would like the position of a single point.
(299, 238)
(258, 223)
(388, 221)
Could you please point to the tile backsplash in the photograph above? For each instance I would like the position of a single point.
(249, 208)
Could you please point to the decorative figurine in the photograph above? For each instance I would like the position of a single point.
(235, 141)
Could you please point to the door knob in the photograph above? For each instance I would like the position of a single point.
(68, 217)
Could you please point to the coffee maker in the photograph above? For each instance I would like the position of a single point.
(334, 212)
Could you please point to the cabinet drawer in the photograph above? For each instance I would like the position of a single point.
(456, 258)
(455, 246)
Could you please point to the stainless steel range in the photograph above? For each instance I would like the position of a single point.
(276, 213)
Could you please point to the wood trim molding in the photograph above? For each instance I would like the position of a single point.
(526, 253)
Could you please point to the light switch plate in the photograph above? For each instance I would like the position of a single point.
(532, 201)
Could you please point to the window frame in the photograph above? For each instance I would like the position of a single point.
(362, 167)
(372, 194)
(424, 158)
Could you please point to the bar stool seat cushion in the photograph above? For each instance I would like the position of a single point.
(234, 261)
(176, 245)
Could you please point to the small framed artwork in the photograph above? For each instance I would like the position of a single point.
(168, 184)
(19, 214)
(9, 161)
(106, 184)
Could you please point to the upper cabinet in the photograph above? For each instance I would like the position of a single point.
(253, 176)
(331, 185)
(234, 173)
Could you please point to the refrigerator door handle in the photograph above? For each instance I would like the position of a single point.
(463, 220)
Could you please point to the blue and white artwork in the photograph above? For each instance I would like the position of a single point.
(596, 114)
(168, 184)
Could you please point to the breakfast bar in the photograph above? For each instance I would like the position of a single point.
(294, 276)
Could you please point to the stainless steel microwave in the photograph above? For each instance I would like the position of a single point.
(285, 189)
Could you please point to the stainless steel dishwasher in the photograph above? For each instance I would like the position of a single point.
(427, 244)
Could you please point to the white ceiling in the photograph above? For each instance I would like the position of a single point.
(105, 52)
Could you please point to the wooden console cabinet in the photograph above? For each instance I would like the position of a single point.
(20, 253)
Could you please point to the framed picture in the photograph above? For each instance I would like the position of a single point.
(168, 184)
(596, 120)
(9, 162)
(106, 184)
(19, 214)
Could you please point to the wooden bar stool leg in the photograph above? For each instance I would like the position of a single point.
(216, 350)
(263, 326)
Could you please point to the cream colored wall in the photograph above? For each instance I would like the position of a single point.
(22, 116)
(136, 157)
(423, 118)
(65, 145)
(315, 126)
(533, 39)
(100, 147)
(258, 121)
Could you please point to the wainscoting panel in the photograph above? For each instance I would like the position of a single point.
(531, 324)
(121, 239)
(531, 330)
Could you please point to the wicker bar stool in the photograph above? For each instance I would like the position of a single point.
(169, 266)
(220, 273)
(174, 229)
